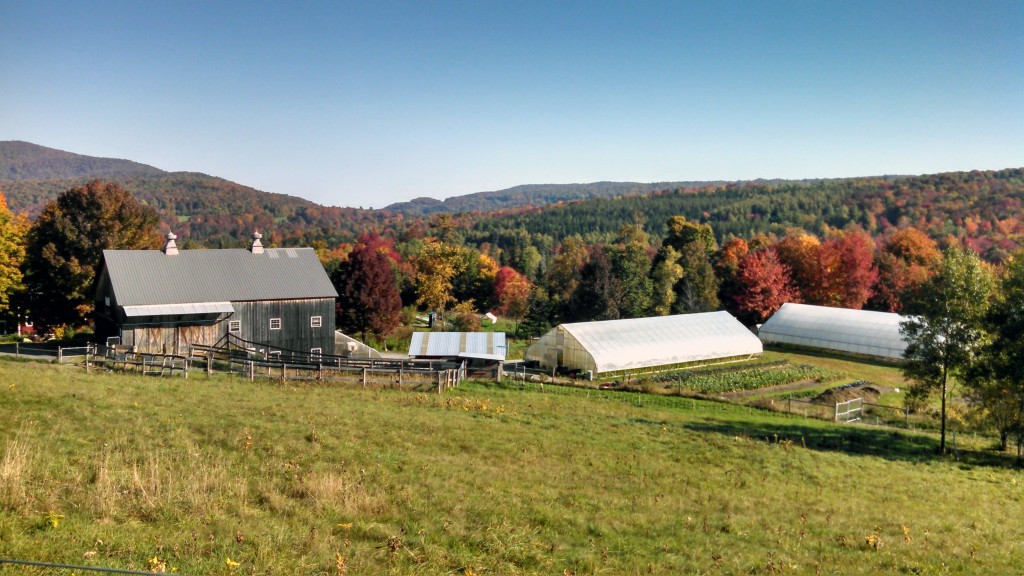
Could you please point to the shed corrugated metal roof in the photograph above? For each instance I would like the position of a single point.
(663, 340)
(148, 277)
(489, 345)
(843, 329)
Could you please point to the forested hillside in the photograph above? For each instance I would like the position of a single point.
(26, 161)
(535, 195)
(983, 208)
(197, 207)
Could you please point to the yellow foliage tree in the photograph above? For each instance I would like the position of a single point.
(12, 252)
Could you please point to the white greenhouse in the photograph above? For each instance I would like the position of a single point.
(643, 343)
(839, 329)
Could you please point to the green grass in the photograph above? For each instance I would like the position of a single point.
(485, 479)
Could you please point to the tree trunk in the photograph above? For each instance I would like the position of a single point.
(942, 435)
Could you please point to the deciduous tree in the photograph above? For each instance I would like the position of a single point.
(67, 241)
(512, 292)
(436, 267)
(12, 253)
(368, 295)
(763, 285)
(945, 327)
(630, 266)
(697, 290)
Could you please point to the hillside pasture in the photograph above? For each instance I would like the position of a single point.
(223, 476)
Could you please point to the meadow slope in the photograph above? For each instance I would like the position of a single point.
(222, 476)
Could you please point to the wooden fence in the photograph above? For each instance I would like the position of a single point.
(283, 367)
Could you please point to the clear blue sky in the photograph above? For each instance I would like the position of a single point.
(367, 103)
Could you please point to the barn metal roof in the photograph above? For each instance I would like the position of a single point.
(858, 331)
(487, 345)
(150, 277)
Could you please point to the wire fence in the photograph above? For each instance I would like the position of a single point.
(72, 567)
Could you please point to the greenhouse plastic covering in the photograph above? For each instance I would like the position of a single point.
(615, 345)
(841, 329)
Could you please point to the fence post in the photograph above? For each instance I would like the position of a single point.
(399, 375)
(320, 372)
(364, 377)
(60, 355)
(209, 363)
(439, 380)
(17, 350)
(252, 371)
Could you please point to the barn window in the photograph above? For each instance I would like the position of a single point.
(234, 326)
(316, 321)
(275, 323)
(274, 355)
(315, 354)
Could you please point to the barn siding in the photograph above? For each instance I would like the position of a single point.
(296, 332)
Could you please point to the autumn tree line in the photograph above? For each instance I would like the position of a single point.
(964, 315)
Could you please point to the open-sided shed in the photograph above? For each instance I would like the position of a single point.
(643, 343)
(839, 329)
(485, 346)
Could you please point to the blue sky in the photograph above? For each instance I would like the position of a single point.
(368, 103)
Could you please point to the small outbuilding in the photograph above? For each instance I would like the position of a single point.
(161, 301)
(863, 332)
(485, 346)
(660, 342)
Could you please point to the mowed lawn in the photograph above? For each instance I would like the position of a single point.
(223, 476)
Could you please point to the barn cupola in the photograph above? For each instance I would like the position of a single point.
(170, 248)
(257, 246)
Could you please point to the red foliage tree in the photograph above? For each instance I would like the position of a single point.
(512, 292)
(907, 260)
(368, 295)
(848, 271)
(764, 284)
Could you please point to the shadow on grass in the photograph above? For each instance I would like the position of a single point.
(855, 440)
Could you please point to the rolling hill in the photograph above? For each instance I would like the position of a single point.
(197, 207)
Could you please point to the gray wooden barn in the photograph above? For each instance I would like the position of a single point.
(160, 301)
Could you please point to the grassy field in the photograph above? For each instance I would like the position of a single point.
(222, 476)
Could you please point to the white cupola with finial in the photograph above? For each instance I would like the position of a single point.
(170, 248)
(257, 246)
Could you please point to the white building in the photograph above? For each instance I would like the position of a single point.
(644, 343)
(839, 329)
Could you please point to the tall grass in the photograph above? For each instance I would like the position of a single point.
(114, 470)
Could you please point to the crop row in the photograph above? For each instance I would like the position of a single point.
(750, 379)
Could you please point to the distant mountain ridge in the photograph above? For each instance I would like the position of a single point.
(536, 195)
